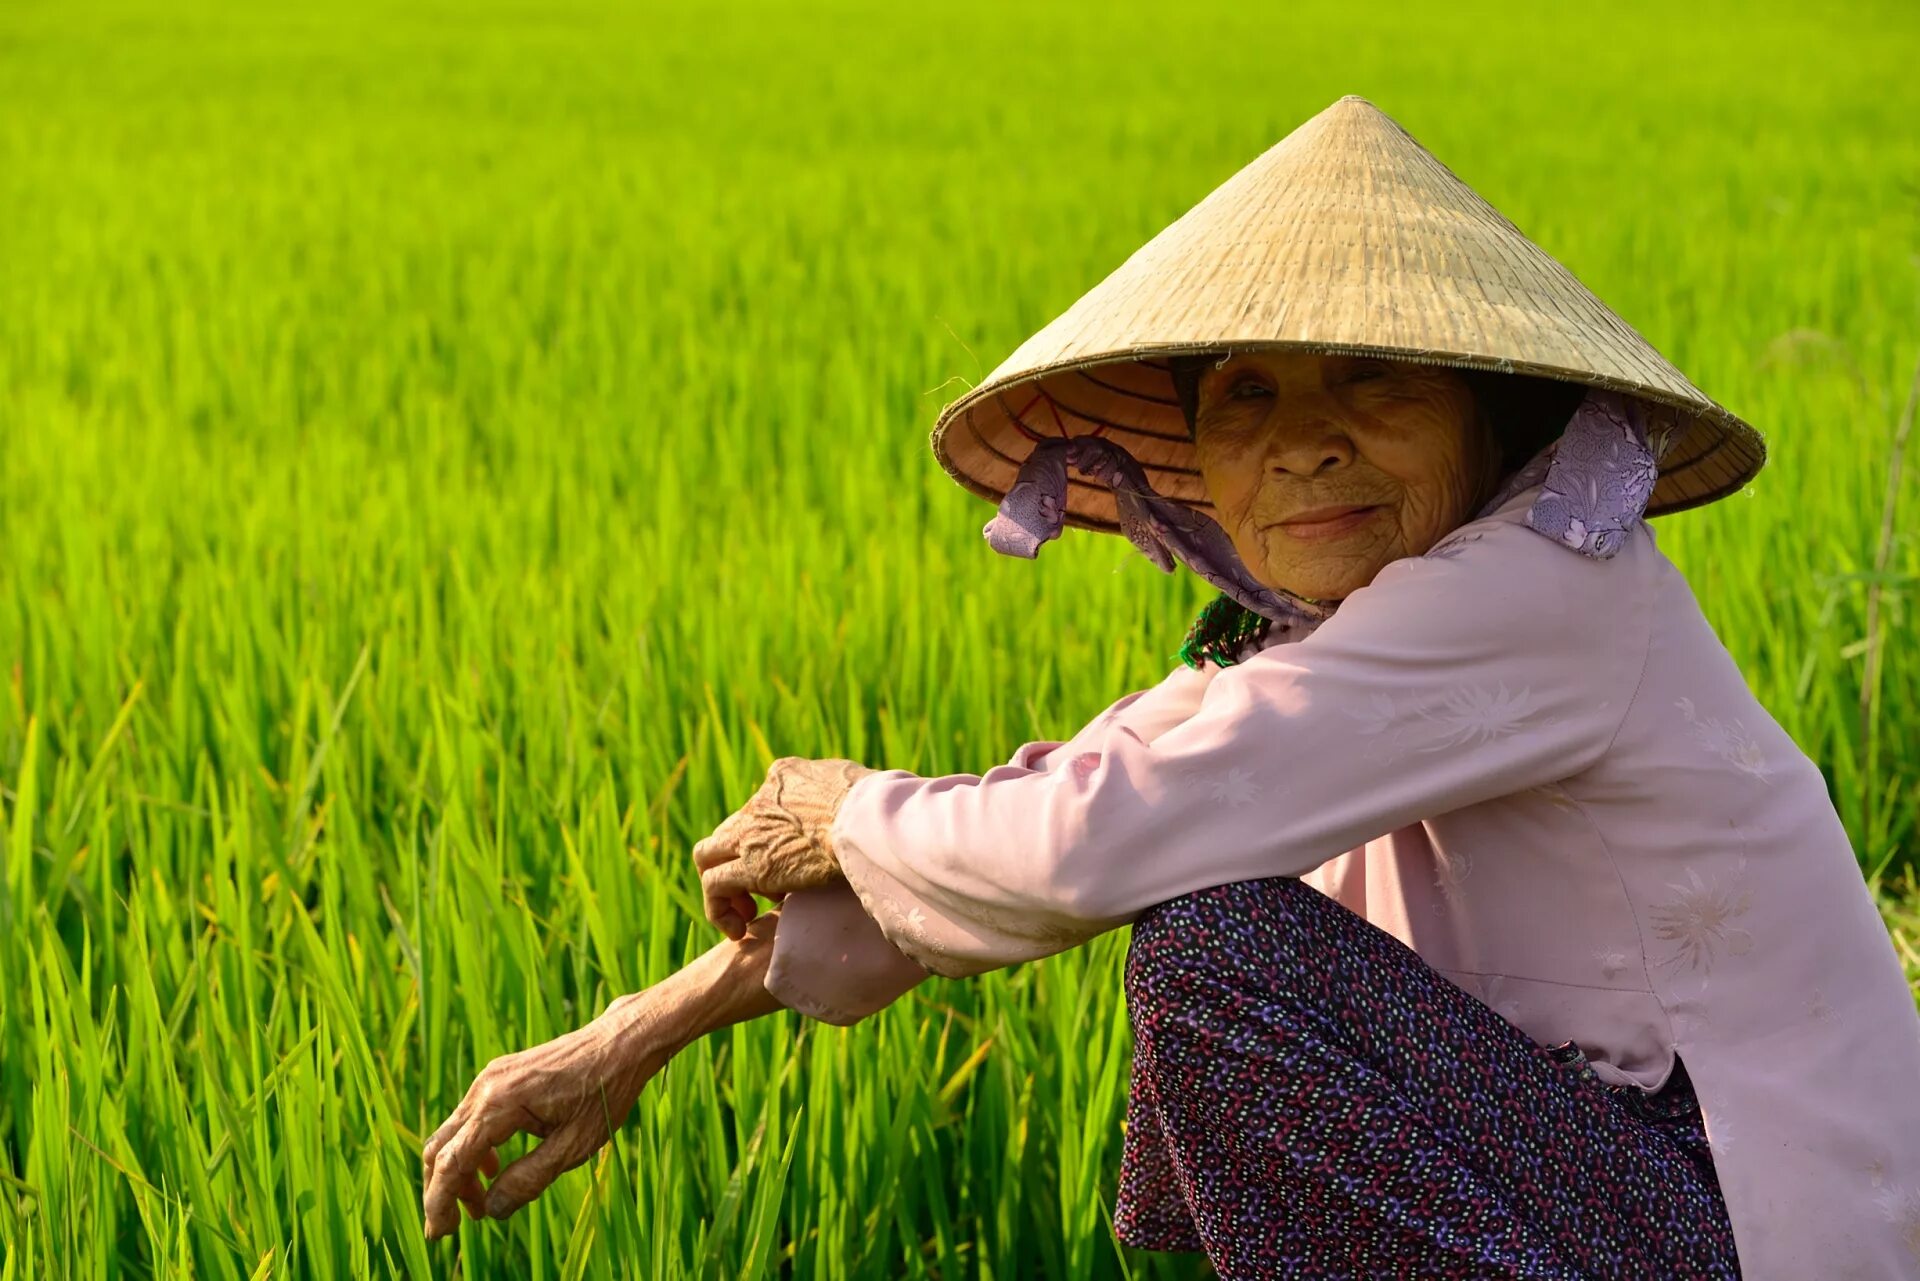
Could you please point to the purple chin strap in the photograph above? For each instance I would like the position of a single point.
(1595, 479)
(1034, 511)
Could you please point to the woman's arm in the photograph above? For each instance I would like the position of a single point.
(832, 962)
(1446, 682)
(576, 1089)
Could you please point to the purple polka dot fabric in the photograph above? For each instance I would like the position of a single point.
(1311, 1100)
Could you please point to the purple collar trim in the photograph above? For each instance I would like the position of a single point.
(1595, 482)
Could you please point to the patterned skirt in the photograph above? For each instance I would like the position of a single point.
(1310, 1099)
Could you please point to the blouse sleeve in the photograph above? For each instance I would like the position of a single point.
(832, 962)
(1446, 682)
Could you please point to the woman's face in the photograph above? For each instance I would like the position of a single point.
(1286, 435)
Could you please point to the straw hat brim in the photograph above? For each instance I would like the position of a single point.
(1346, 237)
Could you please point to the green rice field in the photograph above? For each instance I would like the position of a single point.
(447, 451)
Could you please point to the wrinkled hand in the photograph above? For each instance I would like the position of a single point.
(778, 842)
(572, 1092)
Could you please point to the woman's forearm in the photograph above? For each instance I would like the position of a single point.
(722, 986)
(578, 1088)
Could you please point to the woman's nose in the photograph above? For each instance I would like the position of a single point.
(1309, 444)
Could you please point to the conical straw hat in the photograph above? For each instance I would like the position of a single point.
(1346, 236)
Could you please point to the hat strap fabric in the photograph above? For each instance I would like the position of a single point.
(1033, 513)
(1596, 479)
(1602, 475)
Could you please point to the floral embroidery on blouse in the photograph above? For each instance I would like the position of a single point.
(1720, 1131)
(1465, 715)
(1235, 788)
(1450, 868)
(1376, 715)
(1689, 1020)
(1612, 961)
(1493, 989)
(1730, 742)
(1900, 1205)
(1697, 921)
(1478, 715)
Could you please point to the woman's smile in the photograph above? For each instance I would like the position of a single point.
(1327, 522)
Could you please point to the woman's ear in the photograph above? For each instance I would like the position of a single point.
(1526, 413)
(1498, 463)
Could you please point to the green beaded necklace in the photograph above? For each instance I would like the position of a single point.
(1222, 628)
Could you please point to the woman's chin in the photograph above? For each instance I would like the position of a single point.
(1310, 589)
(1321, 584)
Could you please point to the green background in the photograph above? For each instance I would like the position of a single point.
(446, 451)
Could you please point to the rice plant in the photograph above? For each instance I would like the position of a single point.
(446, 452)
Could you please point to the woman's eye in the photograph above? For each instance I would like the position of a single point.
(1249, 389)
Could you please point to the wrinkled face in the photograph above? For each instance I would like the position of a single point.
(1323, 469)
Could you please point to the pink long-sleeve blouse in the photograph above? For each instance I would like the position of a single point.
(1542, 772)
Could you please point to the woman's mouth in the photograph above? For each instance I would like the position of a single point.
(1327, 522)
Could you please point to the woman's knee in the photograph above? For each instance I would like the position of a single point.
(1265, 906)
(1232, 927)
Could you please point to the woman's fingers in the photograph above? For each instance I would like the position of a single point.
(718, 885)
(474, 1194)
(457, 1161)
(438, 1139)
(529, 1176)
(718, 858)
(719, 847)
(443, 1187)
(543, 1091)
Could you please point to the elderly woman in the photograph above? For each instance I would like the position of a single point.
(1483, 923)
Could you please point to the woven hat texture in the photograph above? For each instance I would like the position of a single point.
(1347, 236)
